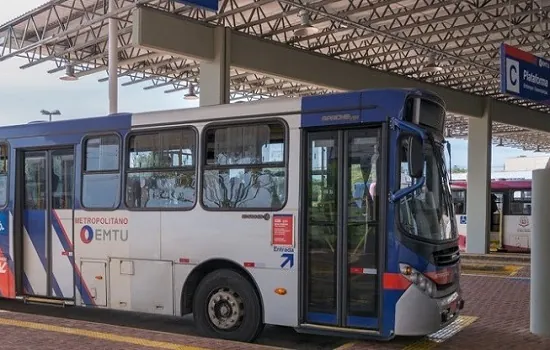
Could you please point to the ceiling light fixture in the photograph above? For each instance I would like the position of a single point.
(431, 66)
(191, 95)
(69, 74)
(307, 28)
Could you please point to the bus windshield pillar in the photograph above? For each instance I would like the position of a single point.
(215, 75)
(478, 202)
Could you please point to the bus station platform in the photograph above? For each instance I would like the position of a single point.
(496, 316)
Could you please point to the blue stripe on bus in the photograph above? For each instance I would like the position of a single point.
(332, 102)
(44, 133)
(352, 321)
(362, 322)
(35, 223)
(67, 246)
(27, 288)
(390, 297)
(353, 107)
(321, 317)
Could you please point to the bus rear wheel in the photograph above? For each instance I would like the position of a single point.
(226, 306)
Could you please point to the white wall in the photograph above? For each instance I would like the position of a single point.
(525, 163)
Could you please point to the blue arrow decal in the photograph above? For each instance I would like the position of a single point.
(288, 260)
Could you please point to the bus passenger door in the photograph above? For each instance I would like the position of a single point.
(46, 230)
(341, 212)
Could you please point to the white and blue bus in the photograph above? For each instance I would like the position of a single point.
(241, 214)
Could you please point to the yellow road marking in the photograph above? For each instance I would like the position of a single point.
(512, 269)
(345, 346)
(513, 278)
(516, 270)
(433, 340)
(106, 336)
(97, 335)
(508, 270)
(423, 344)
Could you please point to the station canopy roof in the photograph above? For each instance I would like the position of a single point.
(449, 43)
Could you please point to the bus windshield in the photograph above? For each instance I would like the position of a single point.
(427, 212)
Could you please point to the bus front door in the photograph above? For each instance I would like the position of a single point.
(340, 235)
(46, 179)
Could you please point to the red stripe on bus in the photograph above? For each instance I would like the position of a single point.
(395, 281)
(7, 277)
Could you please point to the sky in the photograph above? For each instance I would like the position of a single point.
(23, 93)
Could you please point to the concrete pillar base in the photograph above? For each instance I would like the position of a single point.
(478, 194)
(540, 259)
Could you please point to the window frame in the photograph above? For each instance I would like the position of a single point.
(127, 170)
(462, 191)
(403, 135)
(6, 143)
(84, 172)
(204, 166)
(523, 200)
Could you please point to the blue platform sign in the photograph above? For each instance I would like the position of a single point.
(524, 75)
(212, 5)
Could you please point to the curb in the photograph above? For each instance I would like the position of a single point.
(493, 268)
(520, 258)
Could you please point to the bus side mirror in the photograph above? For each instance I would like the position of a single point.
(416, 157)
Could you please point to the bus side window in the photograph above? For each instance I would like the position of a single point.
(494, 206)
(4, 174)
(101, 172)
(520, 203)
(459, 200)
(245, 166)
(161, 169)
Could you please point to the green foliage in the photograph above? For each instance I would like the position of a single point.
(457, 169)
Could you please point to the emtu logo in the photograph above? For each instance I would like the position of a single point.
(523, 221)
(86, 234)
(512, 75)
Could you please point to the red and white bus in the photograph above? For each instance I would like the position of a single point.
(510, 214)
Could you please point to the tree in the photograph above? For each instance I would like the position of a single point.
(457, 169)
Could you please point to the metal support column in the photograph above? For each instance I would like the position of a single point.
(214, 75)
(540, 259)
(478, 195)
(113, 59)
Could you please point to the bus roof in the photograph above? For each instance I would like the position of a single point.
(379, 103)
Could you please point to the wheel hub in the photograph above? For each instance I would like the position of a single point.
(225, 309)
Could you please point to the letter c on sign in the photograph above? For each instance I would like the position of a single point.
(513, 75)
(86, 234)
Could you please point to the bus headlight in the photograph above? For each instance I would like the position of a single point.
(425, 284)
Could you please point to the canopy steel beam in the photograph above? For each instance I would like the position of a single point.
(306, 67)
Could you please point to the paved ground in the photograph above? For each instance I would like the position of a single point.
(496, 317)
(498, 305)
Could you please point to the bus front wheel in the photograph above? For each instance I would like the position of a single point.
(227, 306)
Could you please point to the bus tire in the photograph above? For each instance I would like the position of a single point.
(227, 306)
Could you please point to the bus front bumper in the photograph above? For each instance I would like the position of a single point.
(417, 314)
